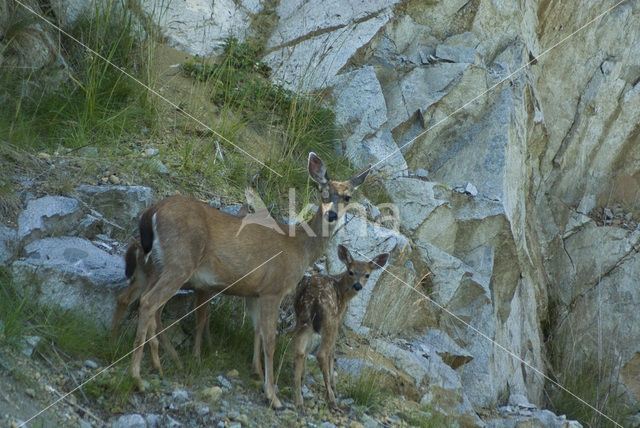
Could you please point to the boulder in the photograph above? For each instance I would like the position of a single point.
(71, 273)
(200, 27)
(49, 216)
(119, 204)
(439, 383)
(314, 60)
(133, 420)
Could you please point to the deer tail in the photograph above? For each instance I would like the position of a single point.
(316, 316)
(146, 230)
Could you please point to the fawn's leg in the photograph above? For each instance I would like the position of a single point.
(332, 375)
(131, 293)
(302, 335)
(164, 339)
(152, 338)
(324, 355)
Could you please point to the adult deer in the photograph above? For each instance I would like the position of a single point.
(320, 304)
(188, 240)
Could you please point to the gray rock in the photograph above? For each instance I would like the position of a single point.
(153, 420)
(468, 189)
(68, 11)
(440, 383)
(421, 88)
(72, 273)
(439, 342)
(360, 106)
(203, 410)
(375, 212)
(306, 393)
(520, 401)
(91, 364)
(160, 167)
(216, 203)
(29, 345)
(49, 216)
(8, 239)
(312, 63)
(298, 19)
(200, 28)
(180, 395)
(129, 421)
(327, 424)
(120, 204)
(421, 173)
(414, 199)
(253, 6)
(369, 422)
(231, 209)
(171, 422)
(353, 367)
(456, 53)
(224, 382)
(91, 226)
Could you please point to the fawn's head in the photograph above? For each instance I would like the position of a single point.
(333, 193)
(358, 272)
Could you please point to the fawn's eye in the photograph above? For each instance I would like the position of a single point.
(366, 276)
(351, 272)
(347, 198)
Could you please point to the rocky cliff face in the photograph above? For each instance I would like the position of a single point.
(505, 133)
(536, 105)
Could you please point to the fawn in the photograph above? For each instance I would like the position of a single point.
(142, 275)
(320, 304)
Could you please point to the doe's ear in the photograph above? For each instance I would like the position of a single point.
(358, 179)
(317, 170)
(344, 255)
(379, 261)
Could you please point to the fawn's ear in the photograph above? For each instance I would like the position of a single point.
(317, 170)
(344, 255)
(358, 179)
(379, 261)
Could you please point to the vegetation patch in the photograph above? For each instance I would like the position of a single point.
(238, 83)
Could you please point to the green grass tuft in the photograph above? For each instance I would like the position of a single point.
(370, 390)
(95, 105)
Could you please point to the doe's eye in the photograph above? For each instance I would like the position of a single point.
(351, 273)
(366, 276)
(347, 198)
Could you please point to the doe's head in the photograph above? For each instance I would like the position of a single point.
(333, 193)
(358, 272)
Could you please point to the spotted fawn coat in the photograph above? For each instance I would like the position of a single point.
(320, 304)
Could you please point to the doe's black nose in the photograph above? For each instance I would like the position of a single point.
(332, 216)
(357, 286)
